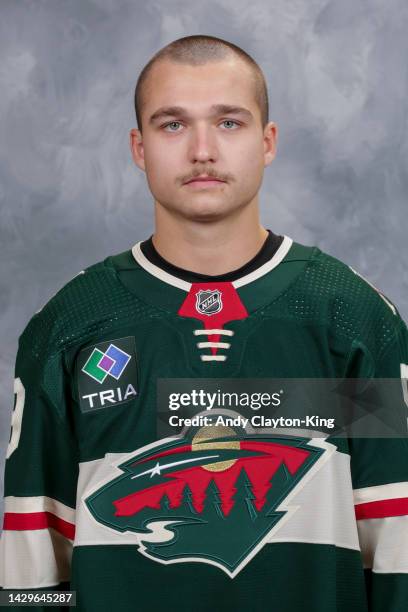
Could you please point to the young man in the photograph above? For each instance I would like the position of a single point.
(217, 518)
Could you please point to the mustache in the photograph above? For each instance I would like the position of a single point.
(210, 174)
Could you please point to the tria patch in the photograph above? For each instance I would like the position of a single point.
(107, 374)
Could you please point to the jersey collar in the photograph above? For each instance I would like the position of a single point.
(174, 281)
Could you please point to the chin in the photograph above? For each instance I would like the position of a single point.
(206, 213)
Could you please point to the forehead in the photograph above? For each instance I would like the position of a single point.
(228, 81)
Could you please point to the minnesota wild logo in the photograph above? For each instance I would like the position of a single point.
(215, 495)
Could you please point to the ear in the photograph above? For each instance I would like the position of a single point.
(270, 142)
(136, 147)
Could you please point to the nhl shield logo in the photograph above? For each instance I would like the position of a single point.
(208, 301)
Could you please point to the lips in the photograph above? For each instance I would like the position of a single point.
(201, 179)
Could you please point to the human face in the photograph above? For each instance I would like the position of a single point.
(202, 137)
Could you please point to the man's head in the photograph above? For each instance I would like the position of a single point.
(219, 128)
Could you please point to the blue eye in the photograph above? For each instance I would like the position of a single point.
(230, 121)
(177, 123)
(172, 123)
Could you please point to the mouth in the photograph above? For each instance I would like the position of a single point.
(205, 182)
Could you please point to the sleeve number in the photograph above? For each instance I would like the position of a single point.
(17, 417)
(404, 381)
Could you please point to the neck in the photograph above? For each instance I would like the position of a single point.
(211, 247)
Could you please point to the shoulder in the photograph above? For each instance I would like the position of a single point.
(332, 292)
(342, 282)
(82, 302)
(358, 309)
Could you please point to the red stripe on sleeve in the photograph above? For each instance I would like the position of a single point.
(24, 521)
(382, 508)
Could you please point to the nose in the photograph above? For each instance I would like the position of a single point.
(202, 146)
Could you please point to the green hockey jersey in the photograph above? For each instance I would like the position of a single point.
(214, 518)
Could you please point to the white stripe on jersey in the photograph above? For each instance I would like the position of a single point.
(320, 510)
(393, 490)
(39, 504)
(384, 544)
(34, 559)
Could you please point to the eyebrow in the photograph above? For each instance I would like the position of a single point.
(217, 109)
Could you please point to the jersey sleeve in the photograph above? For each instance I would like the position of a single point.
(41, 472)
(379, 468)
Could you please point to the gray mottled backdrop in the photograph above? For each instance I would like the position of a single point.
(70, 194)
